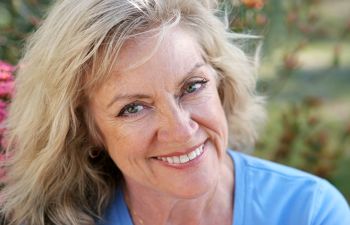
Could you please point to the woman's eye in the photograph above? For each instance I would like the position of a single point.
(194, 86)
(131, 109)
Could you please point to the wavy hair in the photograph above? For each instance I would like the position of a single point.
(52, 178)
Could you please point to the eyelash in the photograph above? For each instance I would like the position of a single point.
(128, 106)
(202, 82)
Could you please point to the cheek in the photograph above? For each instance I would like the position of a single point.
(209, 114)
(129, 141)
(128, 152)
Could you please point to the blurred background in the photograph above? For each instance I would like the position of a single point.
(304, 73)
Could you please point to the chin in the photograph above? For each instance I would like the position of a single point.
(193, 191)
(195, 184)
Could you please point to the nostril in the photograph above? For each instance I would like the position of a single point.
(193, 124)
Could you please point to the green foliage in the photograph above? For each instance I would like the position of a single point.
(17, 19)
(303, 130)
(297, 136)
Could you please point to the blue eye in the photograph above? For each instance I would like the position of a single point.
(131, 109)
(194, 86)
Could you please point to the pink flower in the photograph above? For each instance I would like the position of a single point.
(6, 88)
(3, 112)
(6, 71)
(6, 91)
(3, 115)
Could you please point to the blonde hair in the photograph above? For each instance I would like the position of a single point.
(52, 178)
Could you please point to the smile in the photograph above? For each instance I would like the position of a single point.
(181, 159)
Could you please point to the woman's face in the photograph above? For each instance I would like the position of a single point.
(161, 118)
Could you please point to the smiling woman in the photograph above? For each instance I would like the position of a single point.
(127, 117)
(171, 113)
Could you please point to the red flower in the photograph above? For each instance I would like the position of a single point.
(261, 19)
(291, 61)
(255, 4)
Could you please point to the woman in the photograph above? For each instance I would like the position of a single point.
(121, 117)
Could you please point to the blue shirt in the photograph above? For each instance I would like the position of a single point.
(267, 193)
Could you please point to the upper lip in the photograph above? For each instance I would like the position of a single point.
(182, 152)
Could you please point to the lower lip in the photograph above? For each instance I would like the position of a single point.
(186, 165)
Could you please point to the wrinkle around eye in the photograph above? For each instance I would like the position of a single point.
(201, 96)
(201, 81)
(134, 116)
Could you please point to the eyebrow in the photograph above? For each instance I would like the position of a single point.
(142, 96)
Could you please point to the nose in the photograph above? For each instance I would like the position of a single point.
(176, 125)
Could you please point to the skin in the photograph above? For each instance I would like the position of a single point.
(165, 102)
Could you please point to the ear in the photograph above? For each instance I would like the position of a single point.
(94, 133)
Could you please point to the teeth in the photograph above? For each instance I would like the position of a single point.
(183, 158)
(176, 160)
(198, 151)
(192, 155)
(169, 159)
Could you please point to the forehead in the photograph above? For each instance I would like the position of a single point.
(173, 50)
(150, 61)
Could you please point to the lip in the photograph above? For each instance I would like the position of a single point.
(180, 153)
(187, 165)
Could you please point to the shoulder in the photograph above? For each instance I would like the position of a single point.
(268, 167)
(292, 194)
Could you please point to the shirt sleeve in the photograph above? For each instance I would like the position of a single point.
(331, 207)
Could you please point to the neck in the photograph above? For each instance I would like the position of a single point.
(213, 207)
